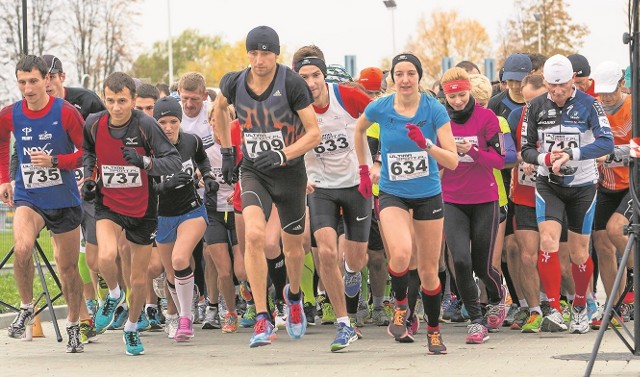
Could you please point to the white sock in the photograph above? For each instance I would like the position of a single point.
(130, 326)
(184, 291)
(344, 320)
(115, 292)
(523, 303)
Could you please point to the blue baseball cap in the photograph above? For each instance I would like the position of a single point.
(517, 67)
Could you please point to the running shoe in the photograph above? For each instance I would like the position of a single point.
(379, 316)
(533, 323)
(263, 333)
(592, 308)
(545, 307)
(511, 315)
(230, 323)
(87, 331)
(477, 333)
(106, 314)
(74, 345)
(245, 292)
(133, 345)
(296, 321)
(435, 346)
(413, 324)
(352, 282)
(121, 317)
(195, 299)
(579, 320)
(345, 336)
(143, 322)
(279, 314)
(496, 313)
(309, 312)
(596, 320)
(521, 317)
(249, 317)
(352, 323)
(328, 315)
(185, 330)
(171, 325)
(444, 307)
(202, 309)
(398, 326)
(211, 318)
(160, 285)
(553, 322)
(23, 319)
(566, 310)
(362, 315)
(92, 306)
(154, 322)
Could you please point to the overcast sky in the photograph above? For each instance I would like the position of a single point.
(364, 27)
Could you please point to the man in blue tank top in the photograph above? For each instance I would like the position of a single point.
(48, 137)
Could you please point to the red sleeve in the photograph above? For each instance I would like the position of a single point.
(73, 123)
(354, 100)
(236, 138)
(6, 127)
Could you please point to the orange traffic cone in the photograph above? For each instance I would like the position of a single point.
(37, 327)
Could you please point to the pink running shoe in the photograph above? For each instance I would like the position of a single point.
(185, 330)
(478, 334)
(497, 313)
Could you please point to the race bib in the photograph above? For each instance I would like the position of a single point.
(118, 176)
(37, 176)
(405, 166)
(257, 143)
(559, 141)
(471, 140)
(524, 179)
(78, 174)
(619, 157)
(332, 143)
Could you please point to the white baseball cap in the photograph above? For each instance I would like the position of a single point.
(557, 70)
(606, 77)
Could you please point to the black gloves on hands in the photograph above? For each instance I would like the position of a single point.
(269, 160)
(210, 185)
(178, 180)
(133, 157)
(89, 190)
(228, 164)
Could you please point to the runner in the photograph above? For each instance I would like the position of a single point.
(123, 148)
(333, 190)
(409, 121)
(48, 138)
(279, 125)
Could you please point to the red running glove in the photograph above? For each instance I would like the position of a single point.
(365, 182)
(416, 135)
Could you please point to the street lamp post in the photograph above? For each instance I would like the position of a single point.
(391, 5)
(538, 17)
(170, 43)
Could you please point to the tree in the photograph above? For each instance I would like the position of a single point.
(446, 35)
(558, 33)
(189, 46)
(99, 36)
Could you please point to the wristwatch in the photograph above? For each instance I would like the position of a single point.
(429, 145)
(54, 161)
(569, 151)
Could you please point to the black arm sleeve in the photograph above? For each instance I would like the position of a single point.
(374, 145)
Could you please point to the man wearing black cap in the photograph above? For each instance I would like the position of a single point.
(274, 107)
(582, 69)
(84, 100)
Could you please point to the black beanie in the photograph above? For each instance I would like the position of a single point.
(166, 106)
(263, 38)
(406, 58)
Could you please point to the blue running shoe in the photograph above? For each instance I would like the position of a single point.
(263, 333)
(352, 282)
(105, 314)
(121, 317)
(143, 322)
(133, 344)
(296, 319)
(346, 335)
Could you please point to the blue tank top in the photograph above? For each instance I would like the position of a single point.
(46, 188)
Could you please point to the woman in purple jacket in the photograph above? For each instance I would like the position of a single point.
(471, 211)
